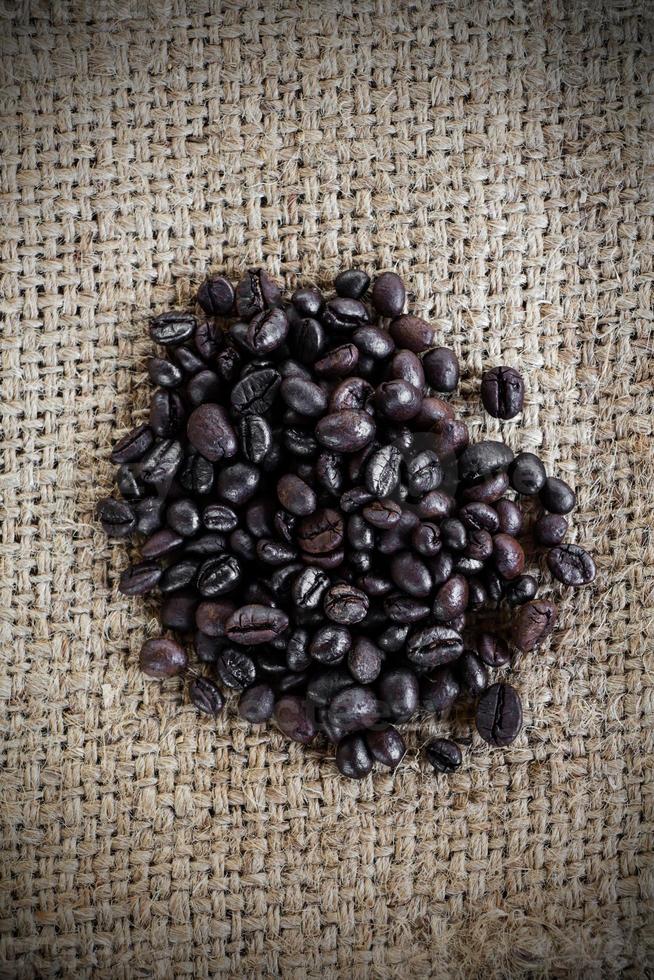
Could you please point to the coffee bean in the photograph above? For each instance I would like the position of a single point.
(353, 758)
(255, 292)
(407, 366)
(321, 532)
(489, 490)
(133, 446)
(209, 341)
(257, 704)
(164, 373)
(353, 709)
(183, 517)
(411, 575)
(329, 472)
(162, 658)
(439, 692)
(499, 715)
(128, 483)
(211, 617)
(441, 369)
(140, 579)
(210, 431)
(207, 648)
(330, 644)
(557, 497)
(508, 556)
(338, 362)
(206, 696)
(399, 694)
(216, 296)
(352, 283)
(527, 474)
(308, 301)
(307, 340)
(492, 650)
(196, 474)
(453, 534)
(373, 342)
(304, 396)
(522, 589)
(483, 459)
(534, 623)
(444, 755)
(423, 473)
(432, 412)
(398, 400)
(509, 516)
(256, 393)
(388, 294)
(550, 529)
(345, 604)
(364, 661)
(571, 565)
(479, 516)
(382, 473)
(117, 518)
(386, 746)
(267, 331)
(238, 483)
(450, 438)
(254, 624)
(433, 646)
(451, 599)
(187, 359)
(161, 543)
(441, 567)
(435, 505)
(218, 576)
(346, 431)
(472, 673)
(236, 668)
(480, 545)
(205, 545)
(413, 333)
(296, 719)
(172, 329)
(296, 496)
(502, 392)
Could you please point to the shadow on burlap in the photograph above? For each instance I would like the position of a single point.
(499, 156)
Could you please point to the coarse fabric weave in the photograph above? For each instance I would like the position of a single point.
(499, 156)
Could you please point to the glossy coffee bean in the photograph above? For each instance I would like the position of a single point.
(423, 473)
(353, 758)
(398, 694)
(255, 291)
(453, 534)
(354, 709)
(207, 648)
(472, 673)
(435, 505)
(557, 497)
(255, 394)
(346, 431)
(128, 483)
(308, 300)
(211, 616)
(450, 438)
(502, 392)
(295, 718)
(509, 516)
(527, 474)
(267, 331)
(382, 473)
(441, 369)
(344, 315)
(483, 459)
(211, 432)
(382, 514)
(386, 746)
(162, 658)
(236, 484)
(177, 611)
(304, 396)
(433, 646)
(216, 296)
(388, 294)
(183, 517)
(205, 386)
(140, 579)
(257, 703)
(309, 588)
(321, 532)
(345, 604)
(414, 334)
(352, 283)
(407, 366)
(330, 644)
(219, 576)
(307, 341)
(254, 624)
(444, 755)
(451, 599)
(206, 696)
(440, 691)
(533, 624)
(364, 661)
(499, 715)
(178, 576)
(411, 575)
(133, 446)
(255, 438)
(164, 373)
(550, 529)
(480, 544)
(172, 329)
(441, 567)
(492, 650)
(508, 556)
(117, 518)
(296, 496)
(522, 589)
(236, 668)
(426, 539)
(209, 340)
(196, 475)
(489, 490)
(373, 342)
(398, 400)
(571, 565)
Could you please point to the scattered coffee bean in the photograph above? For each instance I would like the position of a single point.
(534, 623)
(550, 529)
(499, 715)
(163, 658)
(206, 695)
(571, 564)
(386, 746)
(557, 497)
(444, 755)
(502, 392)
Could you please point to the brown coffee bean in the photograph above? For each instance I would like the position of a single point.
(163, 658)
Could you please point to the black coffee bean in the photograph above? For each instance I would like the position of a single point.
(375, 585)
(383, 514)
(359, 534)
(477, 594)
(339, 362)
(479, 516)
(432, 412)
(550, 529)
(218, 576)
(483, 459)
(183, 517)
(388, 294)
(255, 292)
(571, 565)
(295, 718)
(364, 661)
(353, 758)
(243, 544)
(557, 497)
(236, 668)
(472, 673)
(534, 622)
(435, 504)
(211, 432)
(398, 400)
(404, 609)
(352, 393)
(209, 341)
(296, 496)
(343, 315)
(399, 694)
(298, 658)
(453, 534)
(499, 715)
(304, 396)
(227, 363)
(480, 544)
(382, 473)
(164, 373)
(256, 393)
(527, 474)
(205, 386)
(413, 333)
(172, 329)
(179, 575)
(210, 617)
(167, 413)
(502, 392)
(332, 560)
(216, 296)
(254, 624)
(444, 755)
(307, 340)
(207, 648)
(451, 599)
(407, 366)
(206, 696)
(509, 516)
(300, 443)
(433, 646)
(352, 283)
(267, 331)
(441, 369)
(196, 474)
(411, 575)
(439, 692)
(330, 644)
(162, 658)
(423, 473)
(492, 650)
(353, 709)
(450, 438)
(188, 360)
(309, 587)
(393, 638)
(128, 484)
(469, 567)
(236, 484)
(373, 342)
(257, 704)
(162, 542)
(140, 579)
(321, 532)
(386, 746)
(508, 556)
(345, 604)
(133, 446)
(329, 472)
(323, 687)
(116, 517)
(219, 517)
(308, 301)
(522, 589)
(489, 490)
(149, 512)
(441, 567)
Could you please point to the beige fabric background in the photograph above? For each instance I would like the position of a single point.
(499, 155)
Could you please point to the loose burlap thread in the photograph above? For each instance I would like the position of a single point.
(499, 156)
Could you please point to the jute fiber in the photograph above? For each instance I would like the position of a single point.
(498, 155)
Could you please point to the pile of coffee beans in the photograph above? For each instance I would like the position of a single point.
(322, 534)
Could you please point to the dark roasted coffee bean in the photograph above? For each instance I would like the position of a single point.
(338, 362)
(309, 587)
(271, 664)
(479, 516)
(435, 505)
(433, 646)
(382, 472)
(364, 661)
(205, 545)
(353, 758)
(243, 544)
(346, 431)
(227, 363)
(256, 393)
(571, 565)
(550, 529)
(219, 517)
(353, 709)
(238, 483)
(480, 544)
(509, 516)
(373, 342)
(308, 301)
(216, 296)
(489, 490)
(398, 400)
(329, 561)
(188, 360)
(441, 369)
(210, 617)
(207, 648)
(128, 484)
(522, 589)
(178, 576)
(206, 696)
(557, 497)
(439, 692)
(386, 746)
(345, 604)
(116, 517)
(164, 373)
(404, 609)
(211, 432)
(493, 650)
(343, 315)
(321, 532)
(140, 579)
(295, 718)
(451, 599)
(423, 473)
(255, 292)
(432, 412)
(149, 514)
(441, 567)
(285, 525)
(163, 542)
(388, 294)
(298, 658)
(267, 331)
(375, 585)
(236, 668)
(133, 446)
(304, 396)
(444, 755)
(218, 576)
(494, 584)
(329, 472)
(255, 624)
(508, 556)
(359, 534)
(352, 393)
(411, 575)
(453, 534)
(307, 340)
(468, 566)
(472, 673)
(383, 514)
(257, 704)
(205, 386)
(162, 658)
(295, 496)
(450, 438)
(499, 715)
(477, 594)
(281, 580)
(183, 517)
(413, 333)
(196, 474)
(483, 459)
(323, 687)
(300, 443)
(527, 474)
(502, 392)
(393, 638)
(330, 644)
(534, 622)
(172, 329)
(407, 366)
(209, 341)
(352, 283)
(399, 692)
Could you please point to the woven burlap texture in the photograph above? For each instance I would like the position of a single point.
(499, 156)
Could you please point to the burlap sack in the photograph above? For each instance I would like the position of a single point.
(498, 155)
